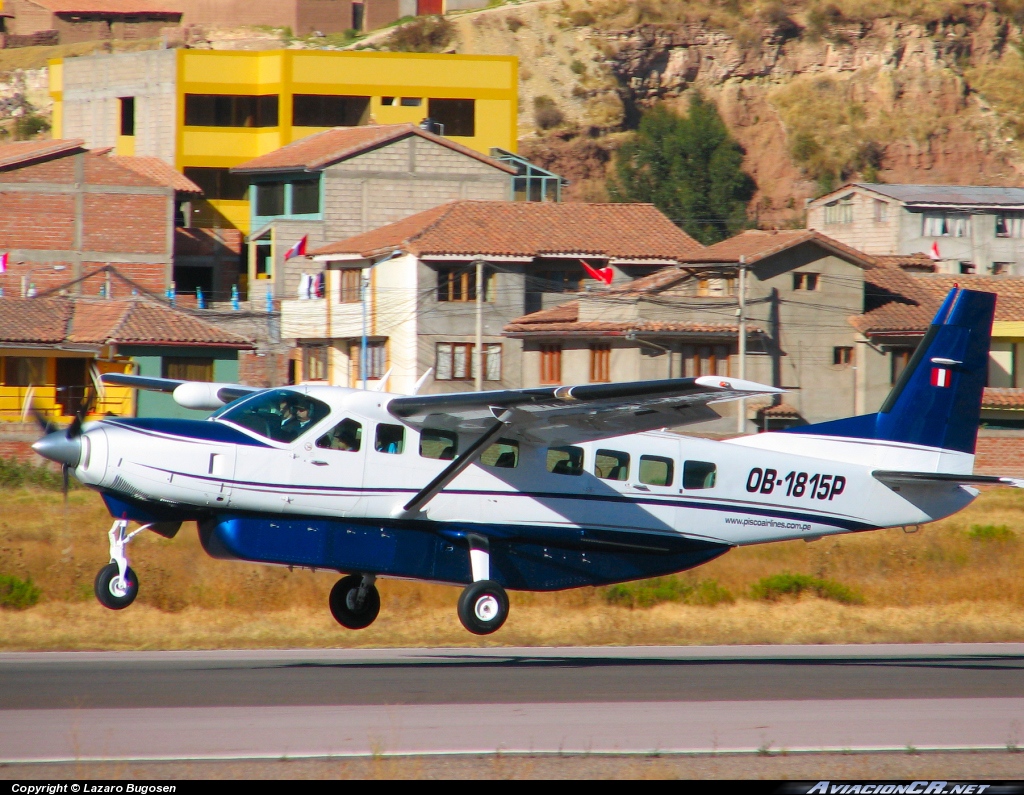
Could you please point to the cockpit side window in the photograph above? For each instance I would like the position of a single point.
(279, 414)
(347, 436)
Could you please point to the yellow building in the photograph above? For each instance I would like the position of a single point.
(204, 111)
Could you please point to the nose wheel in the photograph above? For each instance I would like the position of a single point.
(116, 585)
(355, 601)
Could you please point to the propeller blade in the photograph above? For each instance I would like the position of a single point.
(65, 479)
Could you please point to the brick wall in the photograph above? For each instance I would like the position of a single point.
(1000, 455)
(263, 369)
(28, 17)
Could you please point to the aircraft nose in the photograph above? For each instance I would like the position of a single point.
(58, 447)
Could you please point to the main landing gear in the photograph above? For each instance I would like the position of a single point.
(483, 606)
(116, 585)
(355, 601)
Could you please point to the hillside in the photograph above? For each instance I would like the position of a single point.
(817, 93)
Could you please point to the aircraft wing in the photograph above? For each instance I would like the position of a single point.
(571, 414)
(190, 394)
(895, 478)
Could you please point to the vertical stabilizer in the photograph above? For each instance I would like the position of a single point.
(937, 400)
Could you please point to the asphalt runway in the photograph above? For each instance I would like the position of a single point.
(315, 703)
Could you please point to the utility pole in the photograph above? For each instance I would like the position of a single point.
(741, 312)
(478, 350)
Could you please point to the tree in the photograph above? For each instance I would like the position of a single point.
(689, 167)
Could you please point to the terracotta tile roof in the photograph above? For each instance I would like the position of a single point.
(906, 302)
(916, 262)
(564, 319)
(996, 398)
(115, 7)
(756, 244)
(158, 171)
(528, 229)
(321, 149)
(59, 319)
(783, 410)
(15, 154)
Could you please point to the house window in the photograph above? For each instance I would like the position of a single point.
(411, 102)
(351, 285)
(881, 211)
(967, 267)
(1002, 268)
(127, 112)
(455, 361)
(1002, 360)
(226, 110)
(705, 360)
(270, 198)
(376, 359)
(558, 281)
(839, 212)
(305, 197)
(806, 281)
(24, 370)
(329, 110)
(551, 364)
(600, 359)
(708, 286)
(459, 284)
(842, 356)
(314, 362)
(387, 101)
(457, 115)
(218, 183)
(900, 360)
(188, 368)
(942, 224)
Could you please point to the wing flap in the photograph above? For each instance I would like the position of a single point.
(898, 478)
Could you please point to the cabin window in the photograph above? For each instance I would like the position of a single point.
(390, 439)
(611, 465)
(347, 436)
(565, 460)
(503, 454)
(188, 368)
(279, 414)
(699, 475)
(655, 470)
(441, 445)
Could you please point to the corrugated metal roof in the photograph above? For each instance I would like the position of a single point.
(956, 195)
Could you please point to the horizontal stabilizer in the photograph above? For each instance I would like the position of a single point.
(895, 478)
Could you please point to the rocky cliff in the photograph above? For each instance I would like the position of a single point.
(815, 100)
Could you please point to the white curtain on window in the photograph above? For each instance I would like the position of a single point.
(958, 224)
(443, 368)
(492, 365)
(1015, 225)
(460, 367)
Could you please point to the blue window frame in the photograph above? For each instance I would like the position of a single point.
(296, 196)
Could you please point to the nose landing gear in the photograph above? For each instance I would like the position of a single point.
(116, 585)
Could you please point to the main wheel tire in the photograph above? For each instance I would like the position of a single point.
(343, 603)
(111, 592)
(483, 607)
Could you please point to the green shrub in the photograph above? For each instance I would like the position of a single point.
(648, 593)
(991, 532)
(577, 66)
(17, 594)
(423, 34)
(581, 18)
(15, 473)
(773, 588)
(29, 126)
(546, 114)
(514, 23)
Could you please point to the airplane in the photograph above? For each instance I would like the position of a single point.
(536, 489)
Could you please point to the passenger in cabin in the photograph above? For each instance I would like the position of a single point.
(298, 424)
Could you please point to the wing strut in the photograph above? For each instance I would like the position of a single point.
(450, 472)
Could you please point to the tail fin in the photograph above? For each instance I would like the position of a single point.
(937, 400)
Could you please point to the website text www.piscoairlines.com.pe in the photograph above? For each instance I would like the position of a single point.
(774, 523)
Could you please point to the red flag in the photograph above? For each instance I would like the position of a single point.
(601, 274)
(298, 250)
(934, 253)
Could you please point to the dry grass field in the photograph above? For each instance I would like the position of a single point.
(948, 582)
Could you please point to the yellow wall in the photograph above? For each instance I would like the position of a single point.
(119, 401)
(491, 80)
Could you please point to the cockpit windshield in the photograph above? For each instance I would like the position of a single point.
(280, 414)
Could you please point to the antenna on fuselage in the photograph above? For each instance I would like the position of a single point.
(422, 380)
(379, 386)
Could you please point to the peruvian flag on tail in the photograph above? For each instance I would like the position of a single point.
(298, 250)
(601, 274)
(941, 376)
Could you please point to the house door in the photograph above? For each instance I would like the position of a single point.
(71, 378)
(429, 7)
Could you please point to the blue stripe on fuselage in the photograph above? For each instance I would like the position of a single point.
(192, 430)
